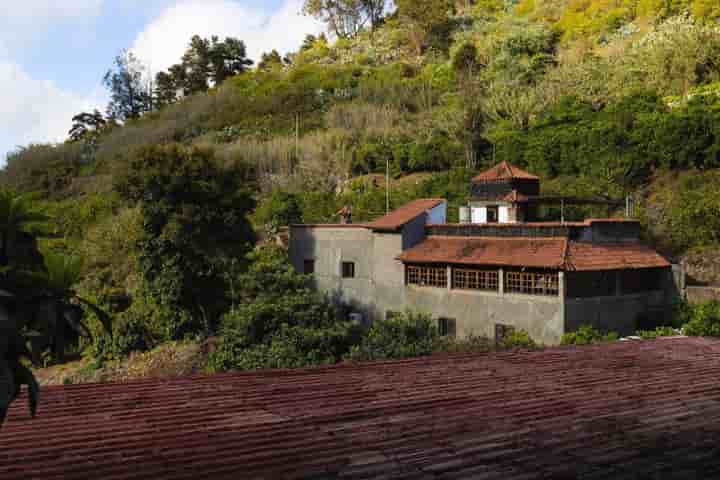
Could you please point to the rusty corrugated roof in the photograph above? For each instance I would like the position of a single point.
(504, 171)
(620, 410)
(402, 215)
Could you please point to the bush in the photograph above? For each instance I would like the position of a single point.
(469, 344)
(658, 332)
(279, 321)
(406, 335)
(518, 339)
(703, 320)
(587, 335)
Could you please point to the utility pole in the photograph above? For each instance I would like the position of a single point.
(387, 185)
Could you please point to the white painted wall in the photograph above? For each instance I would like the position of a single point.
(478, 214)
(504, 215)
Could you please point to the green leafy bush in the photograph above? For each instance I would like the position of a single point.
(518, 339)
(587, 334)
(405, 335)
(279, 321)
(658, 332)
(702, 320)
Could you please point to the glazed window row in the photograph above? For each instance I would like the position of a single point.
(531, 283)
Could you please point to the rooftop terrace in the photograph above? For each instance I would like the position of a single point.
(621, 410)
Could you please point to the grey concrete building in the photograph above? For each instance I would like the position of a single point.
(495, 273)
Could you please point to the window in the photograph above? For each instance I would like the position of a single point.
(492, 214)
(469, 279)
(446, 327)
(532, 283)
(502, 332)
(309, 267)
(640, 281)
(426, 276)
(348, 269)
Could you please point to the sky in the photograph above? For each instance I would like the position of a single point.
(54, 53)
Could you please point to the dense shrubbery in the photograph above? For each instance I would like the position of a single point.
(586, 334)
(700, 320)
(278, 321)
(405, 335)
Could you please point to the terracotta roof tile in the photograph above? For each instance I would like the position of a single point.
(552, 252)
(504, 171)
(513, 251)
(619, 410)
(617, 256)
(402, 215)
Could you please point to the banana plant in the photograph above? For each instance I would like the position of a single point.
(14, 374)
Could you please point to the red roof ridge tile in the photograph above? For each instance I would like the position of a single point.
(504, 171)
(405, 214)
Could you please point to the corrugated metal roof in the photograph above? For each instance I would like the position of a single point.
(620, 410)
(504, 171)
(402, 215)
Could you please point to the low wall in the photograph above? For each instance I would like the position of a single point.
(697, 295)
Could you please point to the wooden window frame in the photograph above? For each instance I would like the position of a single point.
(476, 279)
(532, 283)
(426, 275)
(347, 269)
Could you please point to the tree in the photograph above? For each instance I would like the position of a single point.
(86, 125)
(227, 58)
(194, 219)
(270, 61)
(280, 321)
(196, 64)
(345, 18)
(425, 15)
(204, 62)
(13, 374)
(130, 96)
(166, 88)
(18, 215)
(279, 210)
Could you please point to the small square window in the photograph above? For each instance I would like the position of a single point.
(348, 269)
(446, 327)
(309, 267)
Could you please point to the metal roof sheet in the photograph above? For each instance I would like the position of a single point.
(620, 410)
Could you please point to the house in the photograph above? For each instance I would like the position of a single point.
(627, 410)
(497, 270)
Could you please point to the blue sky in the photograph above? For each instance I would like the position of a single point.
(53, 54)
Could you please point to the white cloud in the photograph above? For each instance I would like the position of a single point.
(36, 111)
(26, 20)
(164, 40)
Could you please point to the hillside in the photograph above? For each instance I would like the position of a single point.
(598, 97)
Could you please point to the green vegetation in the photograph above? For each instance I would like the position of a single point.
(700, 320)
(139, 228)
(405, 335)
(586, 335)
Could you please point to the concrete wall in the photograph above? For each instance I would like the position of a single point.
(477, 312)
(614, 313)
(379, 287)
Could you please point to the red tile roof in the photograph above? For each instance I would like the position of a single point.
(620, 410)
(402, 215)
(512, 251)
(504, 171)
(548, 252)
(616, 256)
